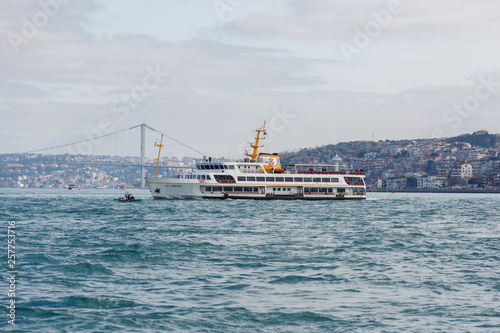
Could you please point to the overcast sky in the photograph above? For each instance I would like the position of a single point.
(319, 71)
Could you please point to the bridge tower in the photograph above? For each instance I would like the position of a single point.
(143, 155)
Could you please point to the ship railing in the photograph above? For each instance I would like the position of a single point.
(221, 181)
(358, 183)
(321, 193)
(347, 173)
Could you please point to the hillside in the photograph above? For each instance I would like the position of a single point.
(360, 148)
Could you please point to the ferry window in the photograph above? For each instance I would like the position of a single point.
(261, 179)
(279, 188)
(251, 179)
(208, 177)
(330, 190)
(298, 179)
(288, 189)
(208, 188)
(228, 189)
(341, 190)
(280, 179)
(217, 189)
(248, 189)
(316, 180)
(212, 167)
(221, 167)
(322, 190)
(274, 189)
(216, 167)
(288, 179)
(325, 180)
(238, 189)
(242, 179)
(315, 190)
(231, 167)
(335, 180)
(225, 167)
(269, 179)
(307, 180)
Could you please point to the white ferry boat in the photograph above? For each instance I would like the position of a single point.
(73, 187)
(260, 176)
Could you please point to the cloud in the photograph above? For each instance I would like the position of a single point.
(326, 19)
(64, 82)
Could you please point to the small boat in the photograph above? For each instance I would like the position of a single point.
(122, 199)
(127, 198)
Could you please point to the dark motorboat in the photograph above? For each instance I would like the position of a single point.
(127, 198)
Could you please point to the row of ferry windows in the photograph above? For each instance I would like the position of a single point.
(204, 177)
(288, 179)
(232, 189)
(323, 190)
(214, 167)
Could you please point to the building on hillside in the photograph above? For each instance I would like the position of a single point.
(396, 183)
(477, 167)
(476, 155)
(443, 171)
(491, 164)
(491, 178)
(431, 182)
(462, 170)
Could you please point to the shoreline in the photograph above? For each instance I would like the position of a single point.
(383, 190)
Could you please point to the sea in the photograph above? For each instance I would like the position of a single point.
(396, 262)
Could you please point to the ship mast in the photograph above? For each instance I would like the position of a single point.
(159, 152)
(256, 146)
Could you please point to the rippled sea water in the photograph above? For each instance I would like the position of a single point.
(392, 263)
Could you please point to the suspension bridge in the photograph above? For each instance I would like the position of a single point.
(118, 143)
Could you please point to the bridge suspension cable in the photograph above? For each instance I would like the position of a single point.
(181, 143)
(113, 133)
(77, 142)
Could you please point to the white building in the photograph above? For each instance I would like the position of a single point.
(431, 182)
(462, 171)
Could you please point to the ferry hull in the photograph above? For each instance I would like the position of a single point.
(171, 188)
